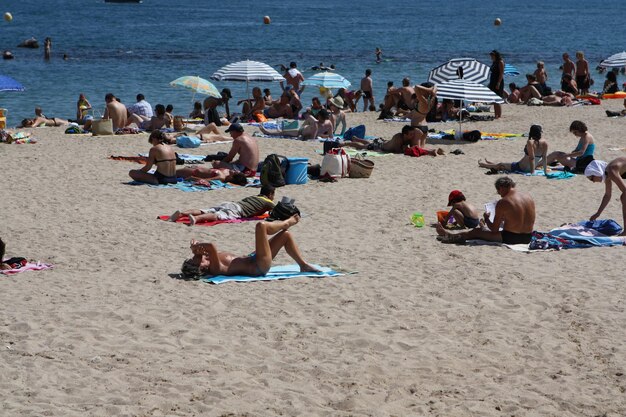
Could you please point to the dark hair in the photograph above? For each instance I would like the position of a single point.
(505, 182)
(512, 86)
(140, 97)
(368, 72)
(239, 178)
(226, 93)
(266, 91)
(389, 83)
(496, 54)
(407, 129)
(292, 64)
(427, 84)
(190, 270)
(406, 81)
(316, 99)
(169, 108)
(2, 247)
(159, 109)
(611, 76)
(531, 77)
(25, 122)
(323, 113)
(535, 132)
(578, 125)
(158, 135)
(197, 105)
(266, 190)
(109, 97)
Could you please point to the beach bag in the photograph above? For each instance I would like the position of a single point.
(179, 123)
(360, 167)
(608, 227)
(283, 211)
(354, 132)
(188, 142)
(273, 170)
(472, 136)
(336, 163)
(102, 127)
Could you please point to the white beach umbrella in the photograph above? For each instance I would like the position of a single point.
(614, 61)
(471, 70)
(328, 80)
(467, 90)
(247, 71)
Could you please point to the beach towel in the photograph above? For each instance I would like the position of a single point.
(355, 152)
(185, 220)
(585, 237)
(30, 266)
(196, 186)
(276, 273)
(139, 159)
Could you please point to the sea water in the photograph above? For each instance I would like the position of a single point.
(139, 48)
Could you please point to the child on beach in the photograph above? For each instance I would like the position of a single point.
(248, 207)
(463, 213)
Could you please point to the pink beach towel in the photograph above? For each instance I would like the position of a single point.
(185, 220)
(39, 266)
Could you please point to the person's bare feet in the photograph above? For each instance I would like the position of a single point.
(308, 268)
(441, 231)
(292, 221)
(440, 151)
(175, 216)
(192, 220)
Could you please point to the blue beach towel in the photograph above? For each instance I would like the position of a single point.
(276, 273)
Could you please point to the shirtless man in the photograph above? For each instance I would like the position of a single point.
(115, 111)
(254, 105)
(208, 261)
(613, 172)
(294, 78)
(281, 108)
(400, 98)
(368, 91)
(422, 103)
(407, 138)
(246, 147)
(515, 211)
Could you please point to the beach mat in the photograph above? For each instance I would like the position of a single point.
(30, 266)
(192, 186)
(185, 220)
(276, 273)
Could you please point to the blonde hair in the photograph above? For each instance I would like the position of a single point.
(580, 54)
(540, 64)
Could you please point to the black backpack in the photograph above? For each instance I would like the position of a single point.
(273, 170)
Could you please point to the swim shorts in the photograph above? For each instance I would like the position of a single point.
(515, 167)
(376, 145)
(512, 238)
(470, 223)
(367, 94)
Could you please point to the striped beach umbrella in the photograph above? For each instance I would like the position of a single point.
(467, 90)
(470, 70)
(197, 85)
(247, 71)
(510, 70)
(9, 84)
(328, 80)
(615, 61)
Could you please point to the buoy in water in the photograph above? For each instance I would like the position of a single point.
(266, 20)
(8, 16)
(497, 22)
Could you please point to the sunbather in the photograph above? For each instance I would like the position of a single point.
(161, 155)
(207, 260)
(42, 121)
(407, 138)
(312, 127)
(584, 149)
(210, 174)
(613, 172)
(535, 154)
(248, 207)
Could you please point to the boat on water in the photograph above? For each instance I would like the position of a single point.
(123, 1)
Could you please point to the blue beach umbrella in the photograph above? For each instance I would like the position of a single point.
(327, 80)
(9, 84)
(510, 70)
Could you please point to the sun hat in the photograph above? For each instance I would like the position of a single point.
(337, 102)
(455, 195)
(596, 168)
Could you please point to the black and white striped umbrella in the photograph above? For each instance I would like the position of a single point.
(614, 61)
(471, 70)
(247, 71)
(467, 90)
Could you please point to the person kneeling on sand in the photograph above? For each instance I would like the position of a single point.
(613, 172)
(463, 213)
(248, 207)
(399, 143)
(207, 260)
(515, 211)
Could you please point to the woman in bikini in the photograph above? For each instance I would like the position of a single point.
(42, 121)
(609, 173)
(535, 154)
(161, 155)
(207, 260)
(424, 98)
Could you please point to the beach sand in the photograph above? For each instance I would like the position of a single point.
(423, 328)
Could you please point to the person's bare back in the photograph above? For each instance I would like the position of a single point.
(116, 111)
(517, 210)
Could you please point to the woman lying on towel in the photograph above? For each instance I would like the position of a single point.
(161, 155)
(613, 172)
(535, 154)
(208, 261)
(42, 121)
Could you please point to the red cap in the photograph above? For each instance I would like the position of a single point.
(455, 195)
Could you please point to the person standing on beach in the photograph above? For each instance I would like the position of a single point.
(515, 211)
(496, 80)
(542, 77)
(583, 78)
(368, 91)
(46, 48)
(422, 102)
(293, 77)
(613, 172)
(568, 68)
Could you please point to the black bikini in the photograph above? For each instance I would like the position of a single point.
(164, 179)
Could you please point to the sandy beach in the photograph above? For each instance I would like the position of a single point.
(423, 328)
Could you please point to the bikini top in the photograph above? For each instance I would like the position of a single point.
(536, 156)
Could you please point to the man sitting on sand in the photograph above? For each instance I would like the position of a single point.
(613, 172)
(207, 260)
(407, 138)
(515, 211)
(246, 147)
(115, 111)
(248, 207)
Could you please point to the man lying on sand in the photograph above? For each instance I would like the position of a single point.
(248, 207)
(207, 260)
(613, 172)
(400, 142)
(515, 212)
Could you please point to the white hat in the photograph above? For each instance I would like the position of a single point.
(596, 168)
